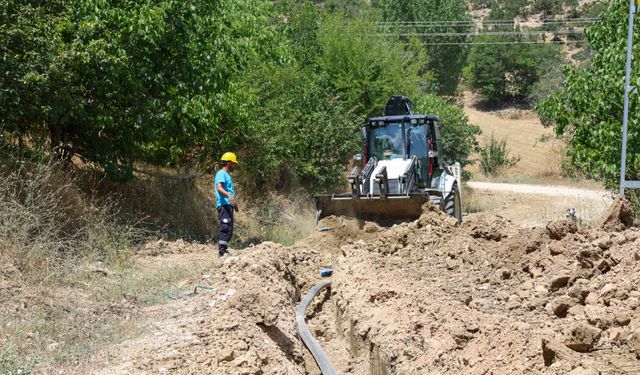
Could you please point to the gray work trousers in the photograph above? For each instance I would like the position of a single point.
(225, 214)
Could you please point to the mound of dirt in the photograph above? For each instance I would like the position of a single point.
(490, 297)
(429, 296)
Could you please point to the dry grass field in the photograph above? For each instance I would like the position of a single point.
(539, 151)
(541, 157)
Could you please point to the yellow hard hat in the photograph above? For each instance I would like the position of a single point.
(229, 156)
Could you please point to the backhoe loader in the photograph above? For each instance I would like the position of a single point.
(401, 168)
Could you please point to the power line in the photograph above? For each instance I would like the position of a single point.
(502, 43)
(567, 20)
(483, 24)
(487, 33)
(581, 24)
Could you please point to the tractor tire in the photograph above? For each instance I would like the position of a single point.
(453, 204)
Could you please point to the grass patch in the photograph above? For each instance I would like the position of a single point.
(10, 364)
(275, 218)
(69, 319)
(55, 312)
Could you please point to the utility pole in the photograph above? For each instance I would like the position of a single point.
(627, 90)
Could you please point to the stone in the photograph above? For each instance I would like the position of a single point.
(472, 327)
(607, 292)
(604, 242)
(503, 274)
(371, 227)
(591, 299)
(599, 316)
(527, 285)
(622, 318)
(556, 248)
(559, 282)
(634, 342)
(615, 333)
(513, 304)
(579, 291)
(561, 305)
(582, 337)
(553, 351)
(558, 229)
(536, 239)
(576, 311)
(226, 355)
(618, 217)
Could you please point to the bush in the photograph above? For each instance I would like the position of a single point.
(494, 157)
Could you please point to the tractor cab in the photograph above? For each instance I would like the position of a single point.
(403, 138)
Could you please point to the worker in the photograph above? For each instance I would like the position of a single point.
(225, 201)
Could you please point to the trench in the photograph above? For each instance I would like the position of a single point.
(349, 352)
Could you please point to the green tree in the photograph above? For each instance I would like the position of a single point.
(589, 108)
(364, 71)
(301, 134)
(507, 71)
(127, 81)
(306, 111)
(445, 61)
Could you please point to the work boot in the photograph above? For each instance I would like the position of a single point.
(224, 253)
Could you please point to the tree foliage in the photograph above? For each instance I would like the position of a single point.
(363, 71)
(308, 110)
(506, 71)
(589, 108)
(116, 82)
(174, 83)
(444, 61)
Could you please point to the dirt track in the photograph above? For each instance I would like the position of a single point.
(427, 297)
(554, 191)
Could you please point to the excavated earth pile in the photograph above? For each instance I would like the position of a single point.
(488, 297)
(426, 297)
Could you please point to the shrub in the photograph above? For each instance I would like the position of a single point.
(494, 157)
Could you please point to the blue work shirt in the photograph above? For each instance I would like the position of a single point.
(227, 184)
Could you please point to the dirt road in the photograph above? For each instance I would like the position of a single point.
(534, 205)
(550, 190)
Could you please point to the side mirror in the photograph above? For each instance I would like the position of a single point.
(357, 157)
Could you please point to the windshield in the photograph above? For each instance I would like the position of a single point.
(386, 142)
(417, 140)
